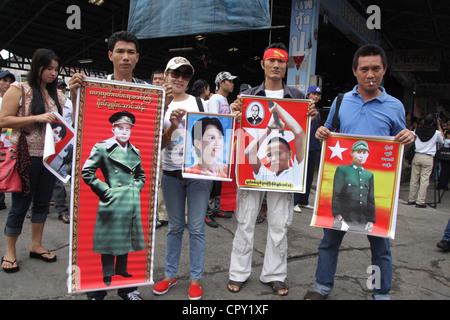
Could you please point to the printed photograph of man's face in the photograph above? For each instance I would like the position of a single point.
(255, 113)
(122, 132)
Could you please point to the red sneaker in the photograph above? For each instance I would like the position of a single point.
(224, 214)
(195, 292)
(163, 286)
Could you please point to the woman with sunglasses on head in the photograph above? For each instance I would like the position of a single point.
(177, 190)
(39, 98)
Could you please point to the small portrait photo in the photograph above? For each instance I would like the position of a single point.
(208, 146)
(255, 113)
(59, 146)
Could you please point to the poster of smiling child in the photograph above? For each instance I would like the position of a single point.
(208, 147)
(58, 148)
(272, 144)
(358, 184)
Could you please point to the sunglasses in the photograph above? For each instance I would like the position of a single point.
(177, 73)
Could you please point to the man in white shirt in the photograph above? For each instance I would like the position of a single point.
(218, 102)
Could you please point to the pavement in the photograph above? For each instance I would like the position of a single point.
(421, 271)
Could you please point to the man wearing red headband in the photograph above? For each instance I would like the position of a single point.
(280, 205)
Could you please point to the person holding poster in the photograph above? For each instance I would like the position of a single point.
(279, 204)
(118, 226)
(29, 105)
(353, 201)
(123, 52)
(177, 190)
(366, 110)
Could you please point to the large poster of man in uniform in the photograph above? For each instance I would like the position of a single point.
(273, 142)
(118, 130)
(358, 185)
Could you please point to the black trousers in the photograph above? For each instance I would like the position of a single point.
(444, 175)
(109, 269)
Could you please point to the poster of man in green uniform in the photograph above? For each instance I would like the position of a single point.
(353, 201)
(118, 227)
(358, 184)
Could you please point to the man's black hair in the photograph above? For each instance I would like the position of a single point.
(276, 45)
(369, 50)
(157, 71)
(279, 139)
(122, 36)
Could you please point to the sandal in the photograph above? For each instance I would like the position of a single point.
(40, 256)
(237, 284)
(64, 218)
(12, 269)
(260, 219)
(277, 286)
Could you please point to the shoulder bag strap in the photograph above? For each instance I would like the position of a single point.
(335, 123)
(200, 104)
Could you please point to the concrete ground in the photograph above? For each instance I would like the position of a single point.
(421, 271)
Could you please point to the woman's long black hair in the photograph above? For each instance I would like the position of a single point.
(40, 61)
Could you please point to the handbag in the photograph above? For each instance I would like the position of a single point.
(443, 154)
(9, 175)
(15, 164)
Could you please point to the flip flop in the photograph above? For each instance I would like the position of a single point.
(277, 286)
(238, 284)
(40, 256)
(64, 218)
(10, 270)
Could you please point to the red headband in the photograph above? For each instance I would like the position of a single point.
(278, 54)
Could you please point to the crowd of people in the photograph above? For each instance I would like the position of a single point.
(192, 203)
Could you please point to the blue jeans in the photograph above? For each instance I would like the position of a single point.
(175, 192)
(328, 257)
(41, 191)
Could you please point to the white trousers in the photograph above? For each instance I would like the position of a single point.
(280, 207)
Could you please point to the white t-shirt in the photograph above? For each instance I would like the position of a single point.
(218, 104)
(68, 112)
(173, 153)
(429, 147)
(276, 94)
(446, 143)
(290, 175)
